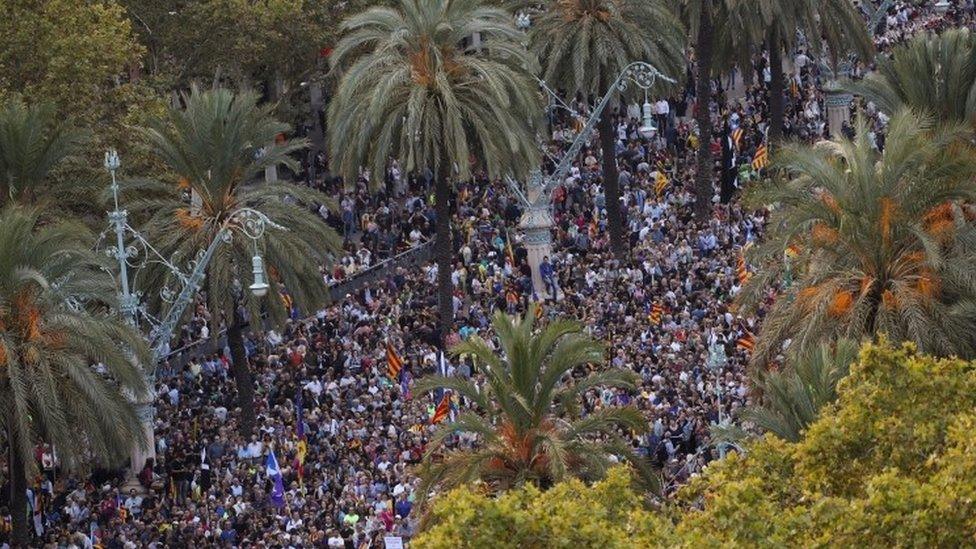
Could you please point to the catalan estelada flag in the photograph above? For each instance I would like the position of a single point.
(746, 342)
(657, 312)
(737, 138)
(761, 159)
(393, 362)
(741, 270)
(442, 410)
(660, 183)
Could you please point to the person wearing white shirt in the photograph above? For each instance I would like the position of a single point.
(663, 110)
(255, 449)
(314, 386)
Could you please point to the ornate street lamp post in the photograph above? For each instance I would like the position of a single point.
(139, 253)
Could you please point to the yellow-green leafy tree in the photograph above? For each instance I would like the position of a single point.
(572, 514)
(892, 463)
(83, 58)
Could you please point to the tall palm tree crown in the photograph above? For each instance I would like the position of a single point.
(882, 242)
(584, 45)
(65, 361)
(528, 419)
(33, 143)
(216, 147)
(935, 74)
(793, 397)
(410, 89)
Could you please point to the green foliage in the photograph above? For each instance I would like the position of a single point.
(571, 514)
(935, 74)
(34, 143)
(529, 423)
(886, 465)
(212, 146)
(726, 31)
(891, 464)
(274, 44)
(584, 44)
(793, 396)
(882, 242)
(829, 26)
(410, 90)
(81, 59)
(67, 52)
(54, 328)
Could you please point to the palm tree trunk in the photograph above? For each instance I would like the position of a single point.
(776, 112)
(242, 373)
(611, 184)
(20, 536)
(443, 249)
(703, 117)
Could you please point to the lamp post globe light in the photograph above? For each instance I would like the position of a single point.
(647, 128)
(159, 329)
(260, 287)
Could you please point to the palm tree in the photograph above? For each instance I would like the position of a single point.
(411, 89)
(935, 74)
(65, 361)
(585, 44)
(528, 422)
(216, 146)
(33, 143)
(793, 397)
(716, 46)
(882, 242)
(834, 25)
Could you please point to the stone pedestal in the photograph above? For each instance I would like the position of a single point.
(146, 412)
(838, 103)
(536, 225)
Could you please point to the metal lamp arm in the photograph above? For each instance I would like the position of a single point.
(248, 221)
(640, 73)
(563, 167)
(163, 333)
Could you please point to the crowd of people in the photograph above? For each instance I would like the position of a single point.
(343, 437)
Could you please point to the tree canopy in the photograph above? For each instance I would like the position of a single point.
(891, 464)
(529, 423)
(880, 241)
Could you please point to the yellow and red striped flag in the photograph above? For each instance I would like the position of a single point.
(737, 138)
(393, 362)
(761, 159)
(442, 410)
(747, 342)
(741, 270)
(661, 183)
(657, 311)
